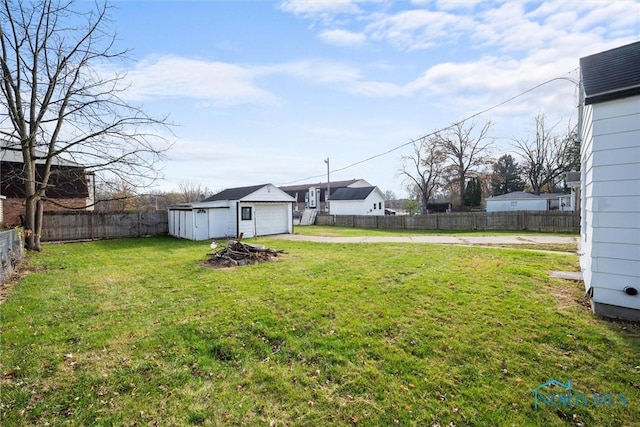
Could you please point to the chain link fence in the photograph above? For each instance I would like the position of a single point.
(11, 252)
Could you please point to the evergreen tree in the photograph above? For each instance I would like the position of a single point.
(507, 176)
(473, 193)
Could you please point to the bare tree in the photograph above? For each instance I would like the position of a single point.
(59, 103)
(422, 170)
(389, 196)
(193, 192)
(116, 196)
(547, 156)
(466, 147)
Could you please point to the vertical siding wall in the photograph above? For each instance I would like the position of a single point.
(586, 187)
(100, 225)
(524, 220)
(611, 160)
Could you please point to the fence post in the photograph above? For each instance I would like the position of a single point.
(91, 236)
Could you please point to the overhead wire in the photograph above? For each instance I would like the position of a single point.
(452, 125)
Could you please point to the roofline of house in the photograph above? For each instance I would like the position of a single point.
(612, 95)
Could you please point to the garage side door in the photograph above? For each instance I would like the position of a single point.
(271, 219)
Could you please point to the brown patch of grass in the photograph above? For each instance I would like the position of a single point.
(7, 285)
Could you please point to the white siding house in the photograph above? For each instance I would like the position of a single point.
(522, 201)
(252, 211)
(313, 196)
(610, 180)
(357, 201)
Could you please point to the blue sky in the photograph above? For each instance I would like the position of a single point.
(264, 91)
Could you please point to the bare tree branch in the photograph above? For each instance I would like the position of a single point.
(466, 148)
(58, 103)
(547, 156)
(423, 169)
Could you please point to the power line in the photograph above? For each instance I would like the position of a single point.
(459, 122)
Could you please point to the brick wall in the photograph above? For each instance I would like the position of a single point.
(13, 208)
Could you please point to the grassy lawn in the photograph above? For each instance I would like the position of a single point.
(330, 231)
(138, 332)
(319, 230)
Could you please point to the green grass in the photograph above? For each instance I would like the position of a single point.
(331, 231)
(137, 332)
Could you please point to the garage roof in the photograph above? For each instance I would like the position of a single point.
(234, 193)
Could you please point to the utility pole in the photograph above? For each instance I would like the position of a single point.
(326, 197)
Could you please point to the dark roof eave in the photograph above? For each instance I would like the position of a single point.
(612, 96)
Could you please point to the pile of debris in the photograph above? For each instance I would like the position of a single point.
(238, 253)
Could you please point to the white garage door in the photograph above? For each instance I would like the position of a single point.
(271, 219)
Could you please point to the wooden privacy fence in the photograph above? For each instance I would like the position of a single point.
(549, 221)
(66, 226)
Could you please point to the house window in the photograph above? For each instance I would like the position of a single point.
(374, 206)
(246, 213)
(379, 205)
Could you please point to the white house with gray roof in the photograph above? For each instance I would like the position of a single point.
(357, 201)
(523, 201)
(610, 180)
(253, 211)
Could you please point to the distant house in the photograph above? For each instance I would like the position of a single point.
(71, 187)
(313, 196)
(610, 180)
(572, 180)
(357, 201)
(258, 210)
(522, 201)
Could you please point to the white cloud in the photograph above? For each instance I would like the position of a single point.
(342, 38)
(323, 9)
(457, 4)
(418, 29)
(222, 165)
(220, 83)
(317, 71)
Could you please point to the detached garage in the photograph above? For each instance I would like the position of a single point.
(259, 210)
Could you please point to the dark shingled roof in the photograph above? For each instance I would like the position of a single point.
(305, 187)
(352, 193)
(301, 189)
(234, 193)
(612, 74)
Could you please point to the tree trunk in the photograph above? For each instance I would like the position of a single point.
(31, 200)
(37, 229)
(29, 221)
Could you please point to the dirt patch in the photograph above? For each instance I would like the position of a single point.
(7, 285)
(567, 298)
(564, 298)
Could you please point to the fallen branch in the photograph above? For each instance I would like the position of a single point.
(238, 253)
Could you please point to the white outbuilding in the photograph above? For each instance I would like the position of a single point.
(523, 201)
(610, 180)
(357, 201)
(258, 210)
